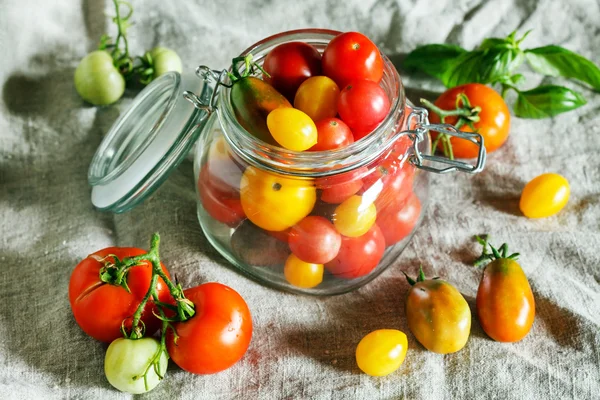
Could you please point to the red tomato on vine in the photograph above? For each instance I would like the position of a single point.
(99, 307)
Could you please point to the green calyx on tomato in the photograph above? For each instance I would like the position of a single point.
(157, 62)
(505, 302)
(497, 254)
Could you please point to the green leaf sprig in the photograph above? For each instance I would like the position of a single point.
(129, 66)
(496, 61)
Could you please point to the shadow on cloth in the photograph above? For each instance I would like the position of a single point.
(378, 305)
(40, 332)
(562, 325)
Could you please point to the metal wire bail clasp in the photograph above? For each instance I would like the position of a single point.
(418, 119)
(207, 101)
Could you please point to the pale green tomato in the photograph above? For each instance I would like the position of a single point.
(127, 361)
(97, 80)
(164, 60)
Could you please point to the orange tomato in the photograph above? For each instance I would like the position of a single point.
(317, 97)
(494, 118)
(544, 196)
(505, 303)
(438, 315)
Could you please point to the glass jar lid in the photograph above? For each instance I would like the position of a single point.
(147, 142)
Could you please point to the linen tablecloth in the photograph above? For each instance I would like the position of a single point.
(302, 347)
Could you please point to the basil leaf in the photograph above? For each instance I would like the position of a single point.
(558, 61)
(432, 59)
(493, 42)
(483, 66)
(547, 101)
(516, 79)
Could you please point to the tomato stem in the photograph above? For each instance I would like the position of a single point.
(420, 277)
(185, 308)
(467, 115)
(249, 68)
(497, 254)
(136, 332)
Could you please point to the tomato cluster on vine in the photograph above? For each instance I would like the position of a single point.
(124, 295)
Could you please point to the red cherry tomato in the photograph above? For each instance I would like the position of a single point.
(363, 105)
(314, 240)
(290, 64)
(217, 336)
(225, 173)
(399, 218)
(351, 56)
(397, 186)
(100, 308)
(332, 134)
(225, 207)
(358, 256)
(340, 187)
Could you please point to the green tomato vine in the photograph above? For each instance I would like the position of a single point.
(129, 66)
(115, 272)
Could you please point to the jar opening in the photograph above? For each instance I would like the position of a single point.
(317, 163)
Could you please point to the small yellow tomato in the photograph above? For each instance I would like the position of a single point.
(355, 216)
(274, 202)
(544, 196)
(292, 128)
(302, 274)
(318, 97)
(381, 352)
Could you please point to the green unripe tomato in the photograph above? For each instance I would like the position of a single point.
(127, 360)
(97, 80)
(164, 60)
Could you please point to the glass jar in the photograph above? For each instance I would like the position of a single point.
(318, 223)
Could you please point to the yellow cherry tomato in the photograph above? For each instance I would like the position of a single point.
(318, 97)
(274, 202)
(355, 216)
(544, 196)
(292, 128)
(381, 352)
(302, 274)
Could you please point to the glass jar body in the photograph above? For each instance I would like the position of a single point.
(319, 223)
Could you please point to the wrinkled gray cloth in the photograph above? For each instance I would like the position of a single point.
(302, 347)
